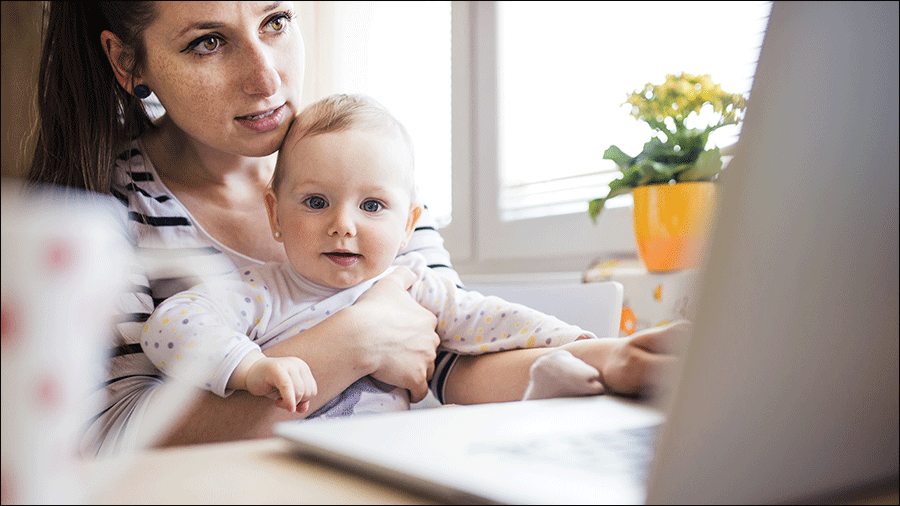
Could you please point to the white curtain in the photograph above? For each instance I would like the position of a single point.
(336, 52)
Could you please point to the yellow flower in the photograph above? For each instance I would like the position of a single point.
(678, 97)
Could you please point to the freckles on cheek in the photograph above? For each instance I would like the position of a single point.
(201, 97)
(186, 92)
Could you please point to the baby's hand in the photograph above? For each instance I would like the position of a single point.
(286, 379)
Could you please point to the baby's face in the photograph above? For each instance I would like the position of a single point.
(344, 207)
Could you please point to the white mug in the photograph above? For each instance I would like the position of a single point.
(64, 262)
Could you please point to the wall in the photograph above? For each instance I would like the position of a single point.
(20, 52)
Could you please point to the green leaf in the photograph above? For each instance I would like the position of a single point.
(619, 186)
(594, 208)
(709, 163)
(654, 149)
(619, 190)
(681, 169)
(656, 172)
(625, 183)
(683, 150)
(617, 155)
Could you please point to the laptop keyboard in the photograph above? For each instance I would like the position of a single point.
(623, 452)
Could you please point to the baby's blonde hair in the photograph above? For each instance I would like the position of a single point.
(338, 113)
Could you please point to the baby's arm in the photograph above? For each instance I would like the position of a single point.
(201, 335)
(641, 364)
(286, 379)
(471, 323)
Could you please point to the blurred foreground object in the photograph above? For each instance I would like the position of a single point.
(65, 257)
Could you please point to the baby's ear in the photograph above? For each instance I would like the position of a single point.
(415, 212)
(272, 210)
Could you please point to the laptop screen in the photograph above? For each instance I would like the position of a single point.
(789, 389)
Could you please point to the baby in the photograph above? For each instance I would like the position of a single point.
(343, 203)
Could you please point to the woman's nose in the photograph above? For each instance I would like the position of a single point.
(261, 73)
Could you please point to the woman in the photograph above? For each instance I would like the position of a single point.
(229, 76)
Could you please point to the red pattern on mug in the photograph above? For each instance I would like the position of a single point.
(59, 256)
(8, 321)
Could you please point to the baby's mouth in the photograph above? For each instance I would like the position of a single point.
(343, 258)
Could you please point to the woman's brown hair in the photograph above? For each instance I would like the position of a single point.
(84, 116)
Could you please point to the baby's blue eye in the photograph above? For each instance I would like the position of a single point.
(371, 206)
(316, 202)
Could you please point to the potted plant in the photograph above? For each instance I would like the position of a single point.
(673, 178)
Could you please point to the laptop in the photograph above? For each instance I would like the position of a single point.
(788, 391)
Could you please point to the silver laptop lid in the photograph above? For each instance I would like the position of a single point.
(790, 389)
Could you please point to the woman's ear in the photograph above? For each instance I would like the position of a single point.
(120, 59)
(272, 211)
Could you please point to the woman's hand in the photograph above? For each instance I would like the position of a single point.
(397, 333)
(640, 364)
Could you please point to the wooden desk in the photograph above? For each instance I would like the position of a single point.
(266, 471)
(263, 471)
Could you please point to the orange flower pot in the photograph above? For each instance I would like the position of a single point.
(672, 223)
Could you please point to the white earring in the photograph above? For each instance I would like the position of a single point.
(277, 235)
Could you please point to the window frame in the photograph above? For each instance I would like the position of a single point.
(478, 240)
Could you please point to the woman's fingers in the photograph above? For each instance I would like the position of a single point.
(668, 339)
(402, 338)
(418, 390)
(633, 370)
(402, 276)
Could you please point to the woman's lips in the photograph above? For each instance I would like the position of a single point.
(263, 122)
(344, 259)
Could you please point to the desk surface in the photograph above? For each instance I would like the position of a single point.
(266, 471)
(260, 471)
(270, 471)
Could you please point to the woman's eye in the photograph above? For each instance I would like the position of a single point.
(211, 44)
(371, 206)
(207, 44)
(316, 202)
(280, 21)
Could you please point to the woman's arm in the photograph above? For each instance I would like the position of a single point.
(334, 359)
(629, 366)
(385, 334)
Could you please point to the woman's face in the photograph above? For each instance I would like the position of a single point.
(229, 74)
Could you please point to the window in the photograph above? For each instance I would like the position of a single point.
(561, 87)
(547, 83)
(399, 53)
(511, 105)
